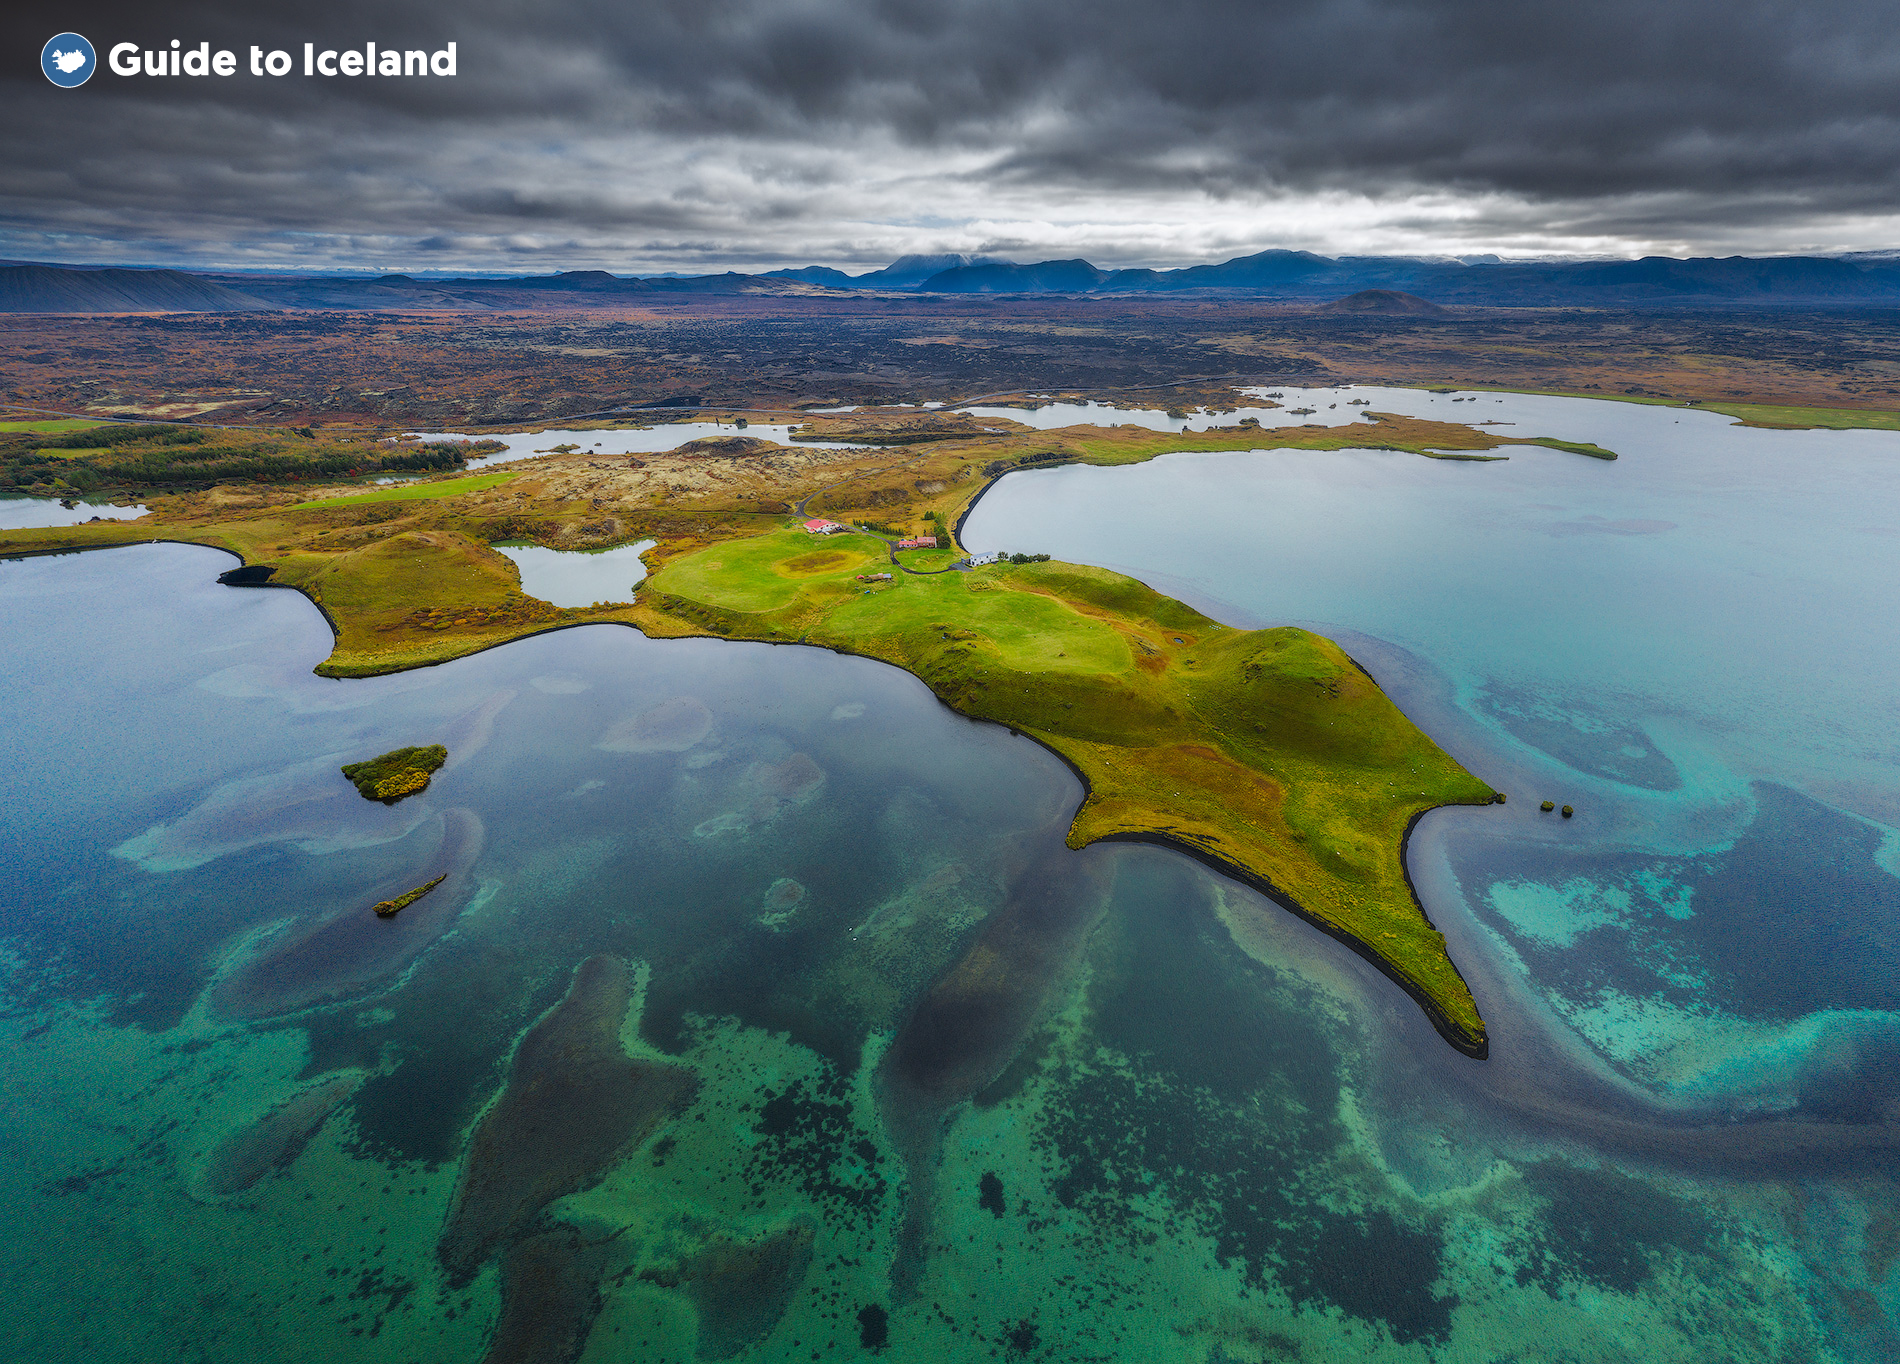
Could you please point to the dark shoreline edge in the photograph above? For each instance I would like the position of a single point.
(956, 531)
(1454, 1036)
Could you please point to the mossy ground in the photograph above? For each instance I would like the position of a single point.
(386, 908)
(396, 774)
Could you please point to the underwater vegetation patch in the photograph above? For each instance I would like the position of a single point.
(1688, 931)
(1122, 1132)
(1234, 1127)
(550, 1295)
(276, 1139)
(740, 1289)
(575, 1102)
(349, 951)
(398, 773)
(1580, 736)
(1604, 1228)
(810, 1138)
(672, 726)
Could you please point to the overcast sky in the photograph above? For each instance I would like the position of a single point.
(694, 135)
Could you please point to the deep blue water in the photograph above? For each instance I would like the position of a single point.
(949, 1085)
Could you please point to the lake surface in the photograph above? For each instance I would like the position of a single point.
(1178, 1126)
(18, 513)
(567, 577)
(1294, 407)
(1692, 645)
(639, 441)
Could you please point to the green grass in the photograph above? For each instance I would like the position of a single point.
(1028, 631)
(1828, 418)
(413, 492)
(52, 425)
(768, 572)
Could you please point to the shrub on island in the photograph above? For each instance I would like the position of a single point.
(396, 774)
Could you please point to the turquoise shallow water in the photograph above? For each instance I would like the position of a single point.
(874, 1064)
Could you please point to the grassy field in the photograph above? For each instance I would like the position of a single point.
(766, 573)
(51, 426)
(1267, 752)
(1807, 418)
(413, 492)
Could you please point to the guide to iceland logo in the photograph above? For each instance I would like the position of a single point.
(68, 60)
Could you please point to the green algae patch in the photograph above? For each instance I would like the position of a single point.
(1269, 754)
(399, 773)
(388, 909)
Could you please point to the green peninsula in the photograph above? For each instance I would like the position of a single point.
(1268, 753)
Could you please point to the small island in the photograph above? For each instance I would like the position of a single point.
(397, 774)
(388, 909)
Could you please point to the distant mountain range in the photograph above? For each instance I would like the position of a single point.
(906, 272)
(1306, 276)
(52, 289)
(1867, 278)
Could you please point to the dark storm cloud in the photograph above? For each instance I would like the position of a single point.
(718, 120)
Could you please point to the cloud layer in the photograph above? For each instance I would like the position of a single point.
(697, 134)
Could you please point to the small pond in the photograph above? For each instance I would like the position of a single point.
(566, 577)
(645, 440)
(20, 513)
